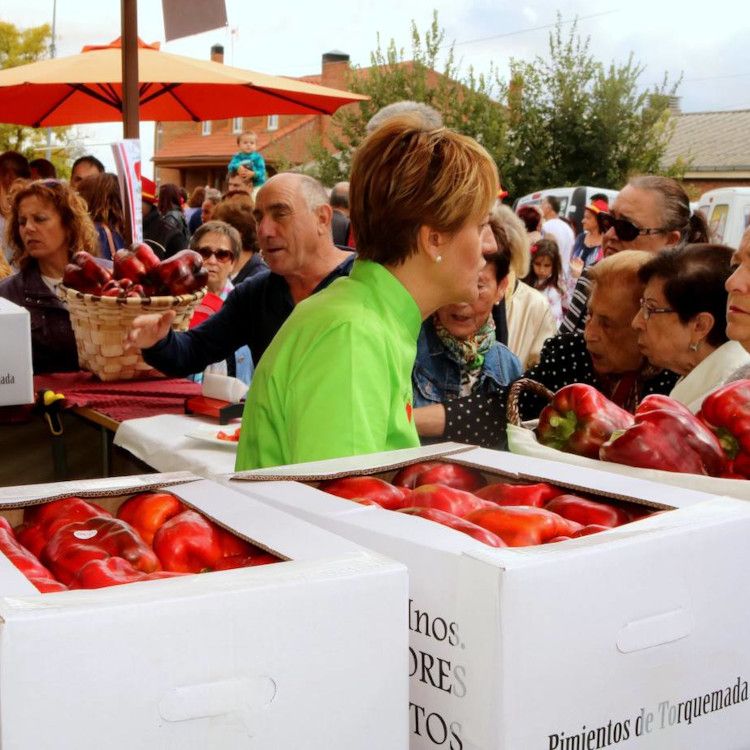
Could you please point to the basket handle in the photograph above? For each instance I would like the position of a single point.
(514, 394)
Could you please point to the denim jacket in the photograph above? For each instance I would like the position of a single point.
(436, 376)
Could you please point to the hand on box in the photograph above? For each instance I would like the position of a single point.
(148, 330)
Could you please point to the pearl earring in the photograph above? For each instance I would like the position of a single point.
(438, 259)
(694, 347)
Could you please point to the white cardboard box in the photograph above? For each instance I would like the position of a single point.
(16, 376)
(306, 653)
(636, 637)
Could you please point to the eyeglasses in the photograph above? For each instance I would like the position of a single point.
(223, 256)
(624, 229)
(647, 311)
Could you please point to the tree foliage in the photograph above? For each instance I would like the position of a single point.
(575, 121)
(20, 47)
(561, 119)
(467, 103)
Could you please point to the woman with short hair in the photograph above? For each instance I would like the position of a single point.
(682, 320)
(336, 380)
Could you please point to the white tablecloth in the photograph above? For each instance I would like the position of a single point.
(162, 443)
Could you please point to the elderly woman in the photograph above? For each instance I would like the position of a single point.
(529, 318)
(336, 380)
(606, 356)
(457, 353)
(48, 223)
(738, 302)
(219, 245)
(682, 319)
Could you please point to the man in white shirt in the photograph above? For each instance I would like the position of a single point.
(557, 229)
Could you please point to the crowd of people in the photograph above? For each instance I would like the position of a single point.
(403, 305)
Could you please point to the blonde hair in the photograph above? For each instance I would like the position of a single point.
(404, 177)
(5, 269)
(510, 234)
(621, 269)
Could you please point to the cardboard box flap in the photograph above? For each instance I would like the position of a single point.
(105, 487)
(354, 465)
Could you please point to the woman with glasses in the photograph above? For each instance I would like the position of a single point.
(219, 245)
(48, 223)
(682, 319)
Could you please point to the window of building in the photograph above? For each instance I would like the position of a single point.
(273, 122)
(206, 127)
(236, 125)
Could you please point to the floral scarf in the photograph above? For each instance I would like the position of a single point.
(469, 353)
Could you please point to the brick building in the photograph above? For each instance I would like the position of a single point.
(191, 154)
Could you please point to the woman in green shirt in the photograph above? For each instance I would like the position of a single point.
(336, 380)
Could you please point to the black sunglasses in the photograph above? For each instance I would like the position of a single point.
(624, 229)
(221, 255)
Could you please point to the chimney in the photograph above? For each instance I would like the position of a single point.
(217, 53)
(335, 67)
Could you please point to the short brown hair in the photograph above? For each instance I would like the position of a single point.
(73, 215)
(404, 177)
(239, 213)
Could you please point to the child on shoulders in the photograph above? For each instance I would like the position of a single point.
(247, 162)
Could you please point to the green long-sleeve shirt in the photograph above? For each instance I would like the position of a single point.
(336, 380)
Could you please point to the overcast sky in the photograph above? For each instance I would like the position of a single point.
(705, 43)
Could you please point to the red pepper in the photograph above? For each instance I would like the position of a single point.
(521, 525)
(587, 512)
(440, 472)
(447, 499)
(727, 413)
(24, 560)
(113, 571)
(75, 544)
(666, 436)
(148, 511)
(366, 488)
(459, 524)
(42, 521)
(188, 543)
(504, 493)
(48, 585)
(84, 274)
(592, 528)
(579, 419)
(232, 545)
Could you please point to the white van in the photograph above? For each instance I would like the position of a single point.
(572, 200)
(727, 211)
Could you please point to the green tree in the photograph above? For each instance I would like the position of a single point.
(574, 121)
(468, 103)
(20, 47)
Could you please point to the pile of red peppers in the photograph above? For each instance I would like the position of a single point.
(662, 433)
(73, 543)
(500, 515)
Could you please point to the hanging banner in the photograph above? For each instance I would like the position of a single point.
(127, 155)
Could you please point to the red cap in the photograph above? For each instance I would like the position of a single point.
(598, 205)
(148, 190)
(502, 193)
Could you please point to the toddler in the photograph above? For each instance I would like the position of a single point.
(247, 162)
(546, 275)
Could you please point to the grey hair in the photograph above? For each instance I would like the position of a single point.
(220, 227)
(213, 195)
(313, 191)
(429, 117)
(340, 195)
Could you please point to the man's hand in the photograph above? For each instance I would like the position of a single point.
(148, 330)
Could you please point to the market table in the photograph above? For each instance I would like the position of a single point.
(56, 443)
(162, 442)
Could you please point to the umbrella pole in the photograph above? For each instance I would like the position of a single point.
(130, 114)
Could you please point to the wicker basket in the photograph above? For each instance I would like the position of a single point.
(100, 325)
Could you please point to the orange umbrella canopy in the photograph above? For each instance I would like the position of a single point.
(88, 88)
